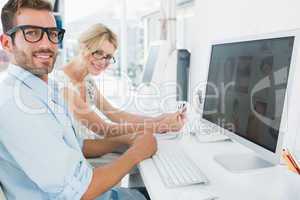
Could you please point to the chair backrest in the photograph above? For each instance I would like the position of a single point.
(2, 197)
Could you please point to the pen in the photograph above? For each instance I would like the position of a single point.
(291, 160)
(294, 162)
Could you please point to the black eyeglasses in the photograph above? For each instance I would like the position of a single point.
(99, 55)
(34, 34)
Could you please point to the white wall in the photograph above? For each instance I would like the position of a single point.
(217, 20)
(224, 19)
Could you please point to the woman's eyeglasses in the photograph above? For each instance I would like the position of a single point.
(34, 34)
(100, 55)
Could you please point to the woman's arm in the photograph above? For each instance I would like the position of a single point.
(162, 123)
(95, 123)
(117, 115)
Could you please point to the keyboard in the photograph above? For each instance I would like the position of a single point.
(177, 169)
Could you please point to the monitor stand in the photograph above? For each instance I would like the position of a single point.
(242, 162)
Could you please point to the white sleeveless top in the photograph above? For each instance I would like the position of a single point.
(64, 81)
(82, 132)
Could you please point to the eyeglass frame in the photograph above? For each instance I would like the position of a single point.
(11, 32)
(112, 60)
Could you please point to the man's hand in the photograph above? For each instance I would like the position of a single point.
(106, 176)
(127, 139)
(144, 146)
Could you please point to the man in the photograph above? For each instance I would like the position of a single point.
(40, 157)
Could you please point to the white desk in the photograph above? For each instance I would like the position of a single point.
(275, 183)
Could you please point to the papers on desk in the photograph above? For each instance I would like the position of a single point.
(211, 137)
(196, 195)
(167, 136)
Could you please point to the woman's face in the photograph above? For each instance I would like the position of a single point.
(99, 60)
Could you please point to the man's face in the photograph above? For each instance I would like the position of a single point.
(38, 57)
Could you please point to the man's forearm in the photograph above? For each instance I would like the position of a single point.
(105, 177)
(95, 148)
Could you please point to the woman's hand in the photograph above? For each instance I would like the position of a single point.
(171, 122)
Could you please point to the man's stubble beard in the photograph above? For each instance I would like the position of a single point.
(26, 62)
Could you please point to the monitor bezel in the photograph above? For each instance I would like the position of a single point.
(292, 87)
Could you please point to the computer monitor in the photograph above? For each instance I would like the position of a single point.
(151, 62)
(246, 95)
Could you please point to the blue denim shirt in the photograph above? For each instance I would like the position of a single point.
(40, 157)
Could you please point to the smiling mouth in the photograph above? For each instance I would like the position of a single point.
(43, 56)
(98, 67)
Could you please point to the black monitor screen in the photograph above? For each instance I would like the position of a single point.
(246, 88)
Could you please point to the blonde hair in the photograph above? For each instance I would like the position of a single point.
(91, 39)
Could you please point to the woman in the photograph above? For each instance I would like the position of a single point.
(97, 47)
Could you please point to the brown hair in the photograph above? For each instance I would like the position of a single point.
(12, 7)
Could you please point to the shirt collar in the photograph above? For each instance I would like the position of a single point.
(38, 86)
